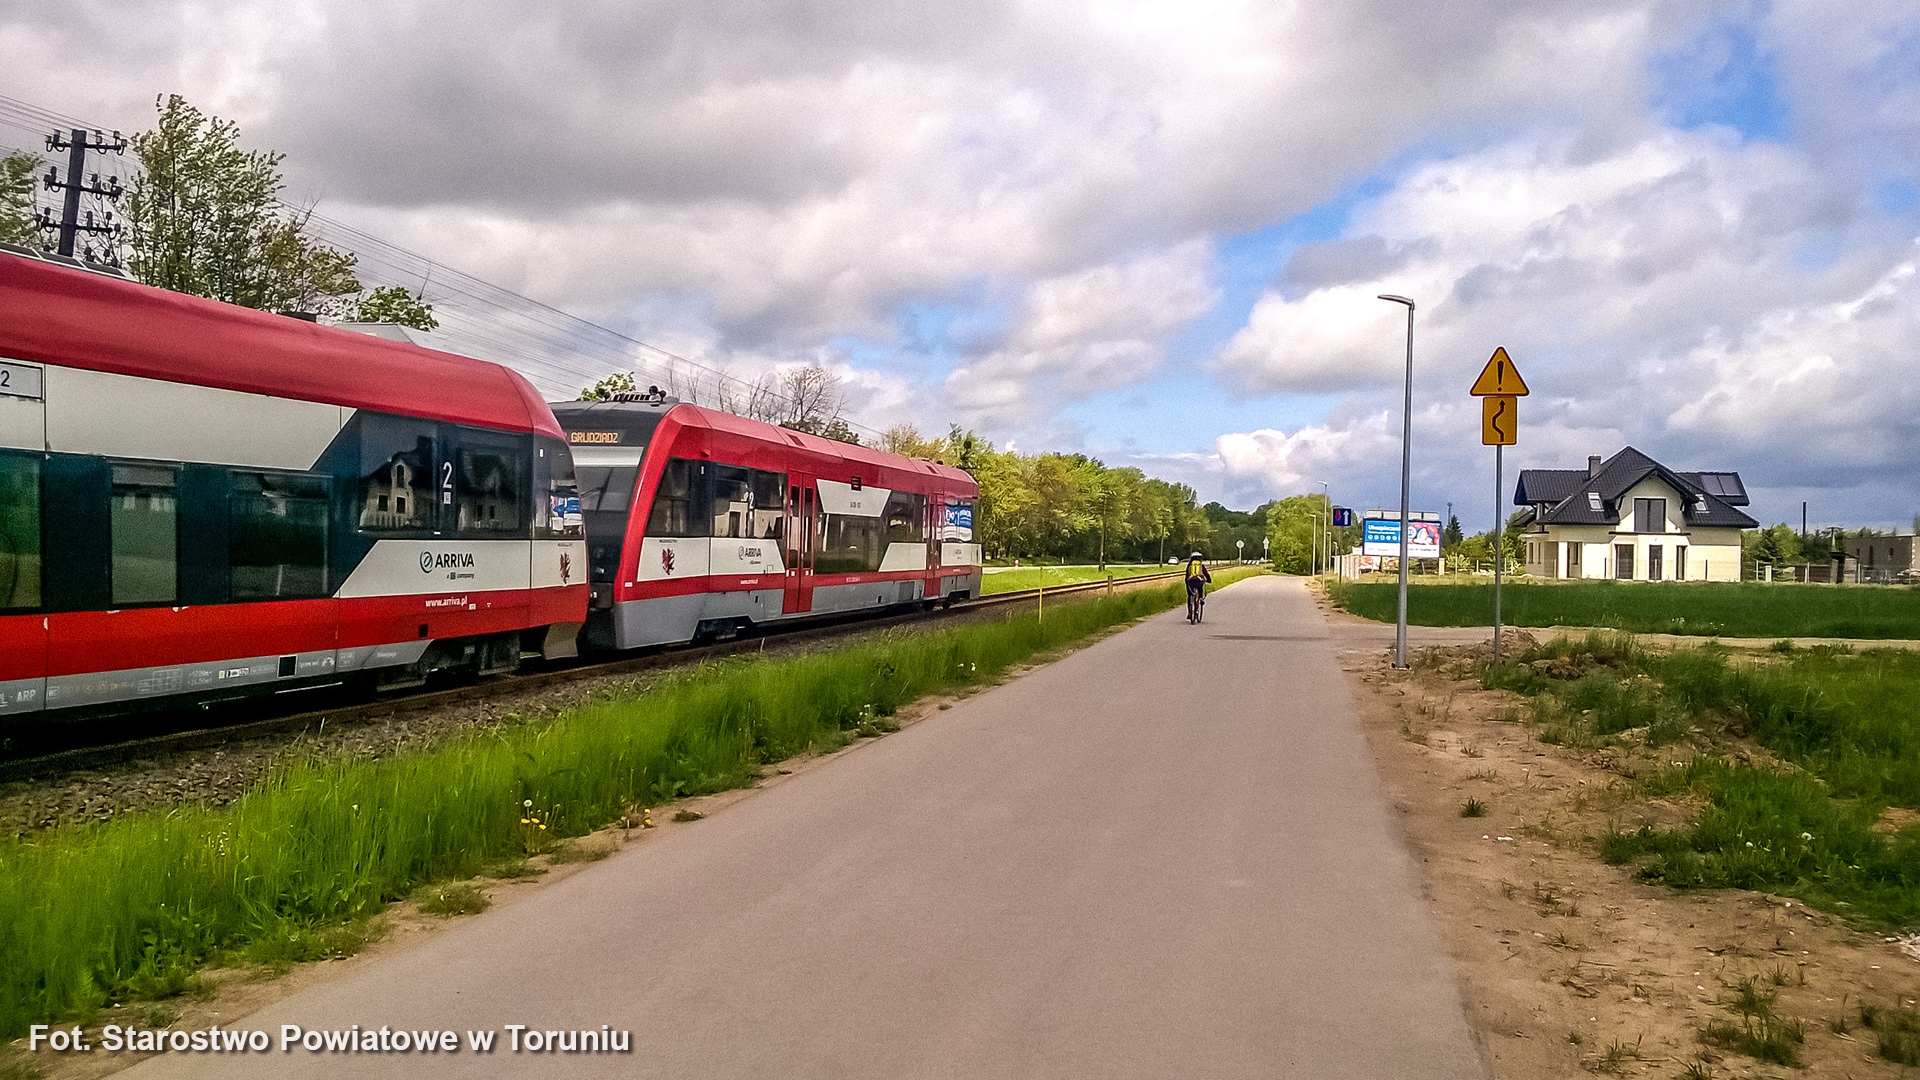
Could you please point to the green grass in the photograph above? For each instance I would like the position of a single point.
(453, 898)
(1896, 1032)
(136, 906)
(1728, 609)
(1031, 577)
(1846, 724)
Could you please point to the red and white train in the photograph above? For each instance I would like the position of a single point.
(700, 522)
(200, 501)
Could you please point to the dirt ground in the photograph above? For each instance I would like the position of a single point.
(1566, 963)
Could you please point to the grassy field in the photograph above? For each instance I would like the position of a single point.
(1846, 725)
(1013, 579)
(136, 906)
(1733, 610)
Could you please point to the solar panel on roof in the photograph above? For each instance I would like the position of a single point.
(1720, 483)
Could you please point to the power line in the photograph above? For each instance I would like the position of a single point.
(558, 351)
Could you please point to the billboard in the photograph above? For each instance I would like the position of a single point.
(957, 522)
(1381, 536)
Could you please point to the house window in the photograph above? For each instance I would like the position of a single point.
(1623, 561)
(1593, 501)
(1654, 558)
(1680, 563)
(1574, 556)
(1649, 515)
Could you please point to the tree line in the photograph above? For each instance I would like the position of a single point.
(203, 216)
(1075, 508)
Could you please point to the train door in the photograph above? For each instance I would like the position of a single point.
(801, 512)
(936, 515)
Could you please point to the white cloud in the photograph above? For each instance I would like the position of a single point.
(1084, 332)
(1676, 293)
(812, 165)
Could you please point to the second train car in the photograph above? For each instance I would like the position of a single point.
(703, 523)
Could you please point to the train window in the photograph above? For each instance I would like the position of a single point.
(277, 536)
(19, 531)
(672, 513)
(732, 505)
(746, 502)
(557, 494)
(607, 489)
(397, 461)
(489, 490)
(956, 520)
(906, 517)
(767, 518)
(849, 544)
(144, 524)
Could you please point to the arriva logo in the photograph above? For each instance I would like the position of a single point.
(448, 560)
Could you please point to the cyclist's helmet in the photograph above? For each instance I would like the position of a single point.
(1196, 555)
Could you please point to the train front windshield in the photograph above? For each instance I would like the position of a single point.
(608, 440)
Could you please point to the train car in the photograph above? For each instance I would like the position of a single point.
(200, 501)
(702, 523)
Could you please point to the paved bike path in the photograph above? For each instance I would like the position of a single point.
(1167, 855)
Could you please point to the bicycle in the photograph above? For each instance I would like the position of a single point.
(1196, 605)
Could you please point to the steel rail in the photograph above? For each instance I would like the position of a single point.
(90, 757)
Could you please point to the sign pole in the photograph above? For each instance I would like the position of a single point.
(1499, 549)
(1499, 388)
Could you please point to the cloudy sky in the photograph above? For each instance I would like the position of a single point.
(1151, 230)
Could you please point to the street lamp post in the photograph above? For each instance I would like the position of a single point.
(1406, 485)
(1326, 529)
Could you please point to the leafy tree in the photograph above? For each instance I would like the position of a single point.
(906, 440)
(1291, 531)
(18, 225)
(204, 217)
(1780, 546)
(620, 382)
(394, 304)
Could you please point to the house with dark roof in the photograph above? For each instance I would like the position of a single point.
(1630, 518)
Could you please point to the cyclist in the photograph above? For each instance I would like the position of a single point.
(1198, 578)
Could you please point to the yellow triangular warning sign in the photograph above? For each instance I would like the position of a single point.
(1499, 378)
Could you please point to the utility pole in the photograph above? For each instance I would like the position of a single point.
(70, 226)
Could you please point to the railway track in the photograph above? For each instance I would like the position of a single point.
(82, 757)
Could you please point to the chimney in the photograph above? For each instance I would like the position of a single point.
(1593, 466)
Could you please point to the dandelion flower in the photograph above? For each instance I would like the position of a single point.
(529, 802)
(524, 821)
